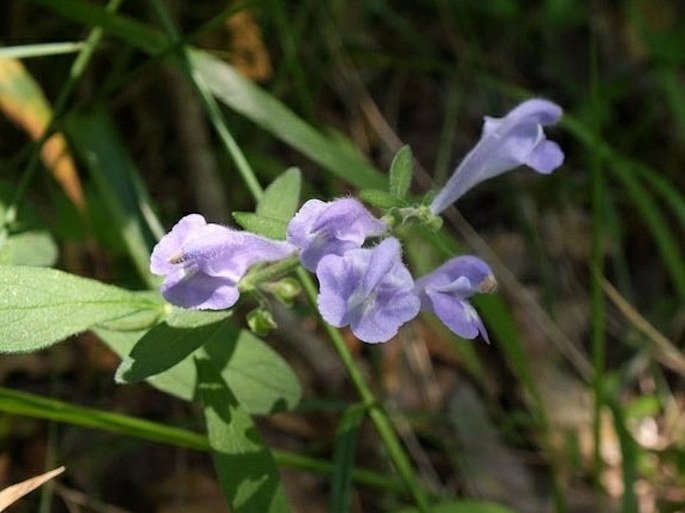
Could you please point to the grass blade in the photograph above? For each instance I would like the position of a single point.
(97, 140)
(40, 50)
(343, 458)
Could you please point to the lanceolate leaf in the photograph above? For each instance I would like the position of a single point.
(259, 377)
(269, 113)
(261, 380)
(379, 198)
(282, 196)
(39, 307)
(246, 467)
(165, 345)
(261, 225)
(400, 172)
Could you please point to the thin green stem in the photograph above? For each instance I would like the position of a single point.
(77, 68)
(269, 273)
(40, 50)
(32, 405)
(378, 416)
(210, 104)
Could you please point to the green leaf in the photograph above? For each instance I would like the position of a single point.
(39, 306)
(169, 343)
(400, 172)
(261, 225)
(262, 381)
(34, 248)
(246, 467)
(379, 198)
(257, 105)
(282, 196)
(260, 378)
(343, 458)
(138, 321)
(179, 380)
(464, 507)
(28, 242)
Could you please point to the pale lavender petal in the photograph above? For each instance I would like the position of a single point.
(545, 157)
(320, 229)
(506, 143)
(458, 315)
(368, 289)
(383, 259)
(243, 250)
(446, 290)
(299, 227)
(349, 220)
(475, 271)
(337, 281)
(203, 263)
(198, 290)
(400, 305)
(172, 242)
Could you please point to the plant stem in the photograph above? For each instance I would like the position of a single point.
(598, 307)
(268, 273)
(210, 104)
(25, 404)
(378, 416)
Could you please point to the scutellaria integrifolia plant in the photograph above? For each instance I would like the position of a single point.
(357, 258)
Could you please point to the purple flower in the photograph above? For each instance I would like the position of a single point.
(319, 229)
(368, 289)
(203, 263)
(446, 291)
(506, 143)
